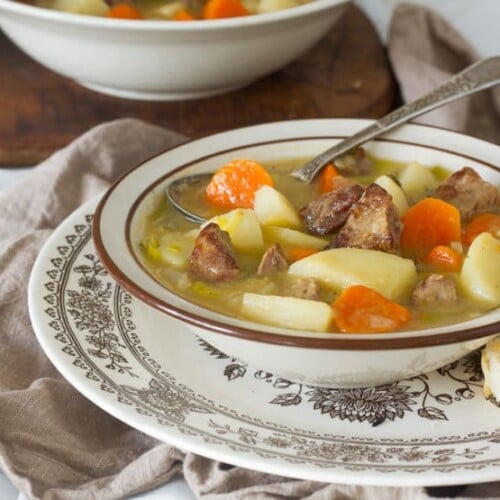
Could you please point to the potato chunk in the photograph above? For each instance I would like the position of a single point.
(388, 274)
(480, 276)
(417, 181)
(172, 247)
(243, 227)
(287, 312)
(165, 10)
(88, 7)
(175, 248)
(273, 5)
(274, 209)
(398, 195)
(287, 237)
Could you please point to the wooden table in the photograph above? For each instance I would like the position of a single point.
(346, 75)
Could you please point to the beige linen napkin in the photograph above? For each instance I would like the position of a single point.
(425, 50)
(53, 442)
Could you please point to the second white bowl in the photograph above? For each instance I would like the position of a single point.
(167, 60)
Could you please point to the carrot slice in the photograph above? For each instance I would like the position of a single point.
(326, 179)
(296, 253)
(429, 223)
(183, 15)
(124, 11)
(445, 258)
(217, 9)
(235, 184)
(360, 309)
(487, 222)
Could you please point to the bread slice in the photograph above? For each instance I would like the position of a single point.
(490, 364)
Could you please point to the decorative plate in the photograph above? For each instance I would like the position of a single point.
(149, 371)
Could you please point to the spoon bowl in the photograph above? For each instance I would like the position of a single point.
(178, 188)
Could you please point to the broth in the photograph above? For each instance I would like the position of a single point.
(166, 230)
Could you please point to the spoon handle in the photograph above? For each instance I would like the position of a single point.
(478, 76)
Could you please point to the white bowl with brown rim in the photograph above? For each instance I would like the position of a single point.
(333, 359)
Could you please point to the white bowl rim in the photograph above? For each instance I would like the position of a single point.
(274, 335)
(41, 13)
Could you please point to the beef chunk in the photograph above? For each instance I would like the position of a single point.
(273, 261)
(373, 223)
(467, 191)
(330, 211)
(354, 163)
(304, 288)
(435, 289)
(213, 257)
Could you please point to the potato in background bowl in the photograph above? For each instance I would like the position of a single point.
(166, 60)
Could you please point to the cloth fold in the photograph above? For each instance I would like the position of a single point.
(54, 443)
(425, 50)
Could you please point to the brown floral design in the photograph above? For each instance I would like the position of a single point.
(91, 319)
(372, 404)
(92, 314)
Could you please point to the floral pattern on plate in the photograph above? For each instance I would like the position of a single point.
(373, 404)
(151, 372)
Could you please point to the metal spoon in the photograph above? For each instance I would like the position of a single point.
(479, 76)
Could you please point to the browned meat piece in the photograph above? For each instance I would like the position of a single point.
(373, 223)
(304, 288)
(467, 191)
(273, 261)
(213, 256)
(435, 289)
(330, 211)
(354, 163)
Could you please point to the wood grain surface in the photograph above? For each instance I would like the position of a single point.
(345, 75)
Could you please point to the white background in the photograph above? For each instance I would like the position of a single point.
(477, 20)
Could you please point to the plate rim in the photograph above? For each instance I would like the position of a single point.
(113, 407)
